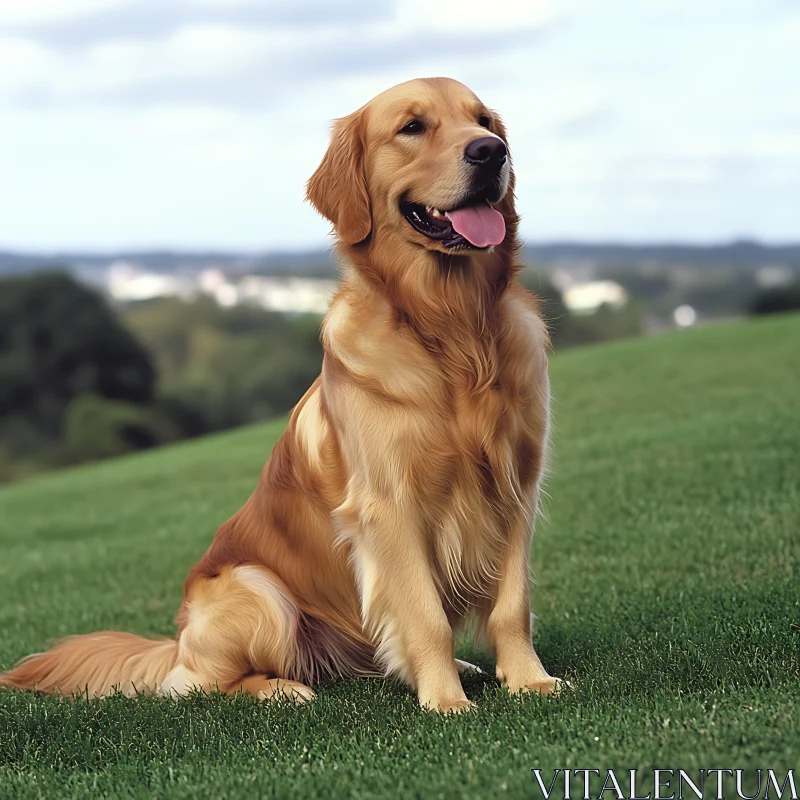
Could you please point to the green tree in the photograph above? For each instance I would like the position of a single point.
(59, 340)
(777, 299)
(96, 427)
(222, 367)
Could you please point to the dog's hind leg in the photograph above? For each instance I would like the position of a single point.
(239, 625)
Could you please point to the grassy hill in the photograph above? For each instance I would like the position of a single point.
(668, 595)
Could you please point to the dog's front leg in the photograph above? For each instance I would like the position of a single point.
(509, 621)
(401, 607)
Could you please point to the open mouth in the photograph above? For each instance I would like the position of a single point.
(474, 224)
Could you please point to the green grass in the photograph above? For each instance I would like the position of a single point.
(669, 595)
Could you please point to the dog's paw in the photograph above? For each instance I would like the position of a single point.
(548, 686)
(280, 688)
(444, 705)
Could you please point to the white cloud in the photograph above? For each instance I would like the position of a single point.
(27, 12)
(657, 119)
(168, 123)
(194, 53)
(226, 60)
(23, 64)
(474, 15)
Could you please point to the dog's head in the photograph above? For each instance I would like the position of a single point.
(425, 162)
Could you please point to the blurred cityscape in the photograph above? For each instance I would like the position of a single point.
(670, 286)
(106, 354)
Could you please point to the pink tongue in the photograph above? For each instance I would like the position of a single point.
(480, 225)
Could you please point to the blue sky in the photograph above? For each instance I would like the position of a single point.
(195, 123)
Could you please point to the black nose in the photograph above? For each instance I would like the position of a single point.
(488, 151)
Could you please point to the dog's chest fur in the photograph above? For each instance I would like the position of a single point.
(492, 443)
(460, 430)
(470, 448)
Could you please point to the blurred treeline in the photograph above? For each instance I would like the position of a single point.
(81, 381)
(222, 367)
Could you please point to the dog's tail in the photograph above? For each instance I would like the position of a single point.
(95, 665)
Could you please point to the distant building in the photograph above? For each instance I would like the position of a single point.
(293, 295)
(214, 282)
(128, 283)
(586, 298)
(684, 316)
(774, 275)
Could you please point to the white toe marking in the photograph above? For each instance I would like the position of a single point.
(464, 667)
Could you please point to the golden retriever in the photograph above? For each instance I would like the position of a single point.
(401, 497)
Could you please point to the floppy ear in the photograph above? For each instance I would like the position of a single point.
(338, 189)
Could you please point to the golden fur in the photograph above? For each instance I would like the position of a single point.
(401, 497)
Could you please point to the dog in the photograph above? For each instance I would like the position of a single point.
(401, 498)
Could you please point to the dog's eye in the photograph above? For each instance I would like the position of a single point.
(413, 128)
(484, 121)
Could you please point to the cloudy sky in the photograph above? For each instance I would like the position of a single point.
(195, 123)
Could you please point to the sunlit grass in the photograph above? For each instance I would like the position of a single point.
(668, 595)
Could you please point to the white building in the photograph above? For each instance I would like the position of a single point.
(127, 283)
(586, 298)
(294, 295)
